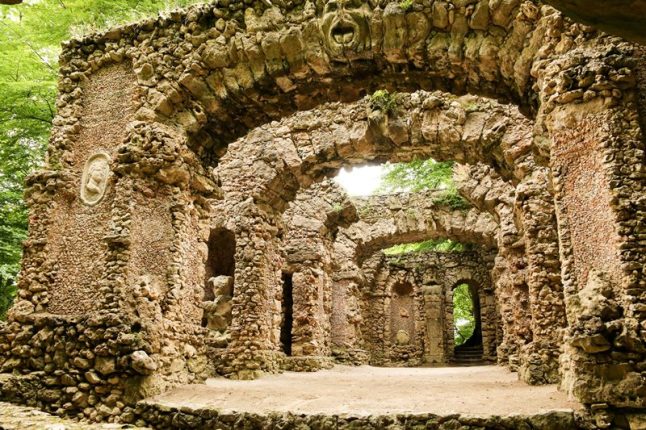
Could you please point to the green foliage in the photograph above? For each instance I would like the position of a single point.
(437, 245)
(406, 5)
(384, 101)
(30, 37)
(464, 322)
(25, 118)
(418, 175)
(452, 199)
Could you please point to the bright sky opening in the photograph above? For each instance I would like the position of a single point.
(360, 181)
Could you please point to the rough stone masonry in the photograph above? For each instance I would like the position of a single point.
(172, 236)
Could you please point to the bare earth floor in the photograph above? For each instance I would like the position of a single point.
(366, 390)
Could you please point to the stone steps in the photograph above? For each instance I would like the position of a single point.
(468, 356)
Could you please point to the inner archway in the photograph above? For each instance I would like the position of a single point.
(464, 319)
(467, 323)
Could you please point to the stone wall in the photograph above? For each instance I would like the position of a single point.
(171, 418)
(408, 305)
(170, 128)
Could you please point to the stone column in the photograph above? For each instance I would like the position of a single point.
(513, 297)
(539, 359)
(589, 117)
(256, 312)
(488, 323)
(351, 333)
(449, 334)
(311, 326)
(436, 329)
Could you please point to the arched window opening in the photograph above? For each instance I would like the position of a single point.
(287, 320)
(467, 325)
(221, 257)
(218, 280)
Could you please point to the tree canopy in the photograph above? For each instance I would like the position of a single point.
(418, 175)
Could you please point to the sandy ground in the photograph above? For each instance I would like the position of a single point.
(365, 390)
(13, 417)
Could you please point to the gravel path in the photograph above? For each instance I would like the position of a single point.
(365, 390)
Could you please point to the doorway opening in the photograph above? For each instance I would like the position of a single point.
(287, 320)
(467, 324)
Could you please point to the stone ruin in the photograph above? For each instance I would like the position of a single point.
(184, 227)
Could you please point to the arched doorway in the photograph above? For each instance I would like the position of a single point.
(467, 323)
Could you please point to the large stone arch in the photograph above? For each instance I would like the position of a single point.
(220, 72)
(153, 78)
(273, 161)
(262, 172)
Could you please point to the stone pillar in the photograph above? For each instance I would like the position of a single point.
(256, 312)
(312, 311)
(449, 334)
(513, 298)
(488, 323)
(350, 336)
(435, 336)
(539, 359)
(589, 116)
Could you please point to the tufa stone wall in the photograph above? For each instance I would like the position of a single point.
(408, 306)
(175, 127)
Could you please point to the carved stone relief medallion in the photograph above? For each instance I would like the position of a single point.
(94, 181)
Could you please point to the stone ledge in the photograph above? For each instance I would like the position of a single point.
(164, 417)
(308, 363)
